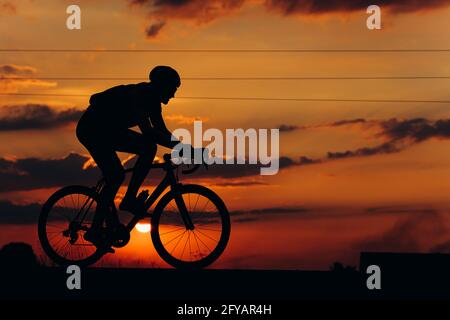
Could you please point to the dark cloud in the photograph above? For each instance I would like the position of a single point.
(7, 7)
(416, 129)
(305, 160)
(11, 213)
(153, 30)
(35, 116)
(399, 210)
(199, 11)
(399, 134)
(240, 184)
(12, 69)
(19, 214)
(202, 12)
(347, 122)
(14, 77)
(443, 247)
(314, 7)
(196, 11)
(256, 214)
(364, 152)
(287, 128)
(34, 173)
(239, 170)
(413, 233)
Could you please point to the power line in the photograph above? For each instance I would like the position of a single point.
(252, 98)
(231, 78)
(229, 50)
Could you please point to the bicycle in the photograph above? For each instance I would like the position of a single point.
(176, 216)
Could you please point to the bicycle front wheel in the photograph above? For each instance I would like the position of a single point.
(197, 248)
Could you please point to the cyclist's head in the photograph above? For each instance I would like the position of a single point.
(166, 80)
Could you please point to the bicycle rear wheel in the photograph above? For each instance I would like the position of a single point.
(63, 221)
(197, 248)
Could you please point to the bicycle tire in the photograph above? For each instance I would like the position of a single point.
(43, 223)
(224, 237)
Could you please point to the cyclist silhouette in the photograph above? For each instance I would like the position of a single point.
(104, 129)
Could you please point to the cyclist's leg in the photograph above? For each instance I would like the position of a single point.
(109, 163)
(145, 149)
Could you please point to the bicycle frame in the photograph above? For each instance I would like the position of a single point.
(169, 180)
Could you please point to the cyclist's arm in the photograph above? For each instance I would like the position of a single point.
(158, 129)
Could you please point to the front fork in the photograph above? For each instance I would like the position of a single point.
(184, 212)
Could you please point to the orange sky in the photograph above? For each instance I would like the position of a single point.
(415, 177)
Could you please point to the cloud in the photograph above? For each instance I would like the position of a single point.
(181, 119)
(232, 171)
(19, 214)
(14, 77)
(348, 122)
(11, 213)
(414, 233)
(12, 69)
(305, 160)
(443, 247)
(201, 12)
(34, 173)
(153, 30)
(418, 129)
(364, 152)
(399, 134)
(287, 128)
(257, 214)
(240, 184)
(7, 8)
(35, 116)
(316, 7)
(399, 209)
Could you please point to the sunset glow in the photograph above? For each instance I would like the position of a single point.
(364, 134)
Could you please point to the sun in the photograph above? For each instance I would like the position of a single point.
(143, 227)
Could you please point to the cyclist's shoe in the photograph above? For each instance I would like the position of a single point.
(98, 239)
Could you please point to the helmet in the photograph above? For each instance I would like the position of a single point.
(165, 75)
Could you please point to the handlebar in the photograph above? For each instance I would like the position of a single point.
(168, 161)
(167, 158)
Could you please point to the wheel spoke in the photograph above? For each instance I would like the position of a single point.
(195, 206)
(177, 229)
(174, 238)
(178, 242)
(203, 243)
(184, 248)
(196, 241)
(207, 236)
